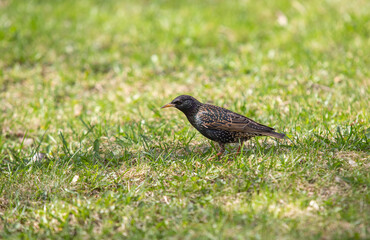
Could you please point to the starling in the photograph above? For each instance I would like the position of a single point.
(219, 124)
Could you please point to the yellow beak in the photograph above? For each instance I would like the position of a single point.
(168, 105)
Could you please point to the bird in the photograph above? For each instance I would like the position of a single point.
(220, 124)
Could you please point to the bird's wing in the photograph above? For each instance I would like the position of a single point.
(222, 119)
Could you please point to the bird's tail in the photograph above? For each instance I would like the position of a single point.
(275, 134)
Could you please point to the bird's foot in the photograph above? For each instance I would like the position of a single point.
(218, 156)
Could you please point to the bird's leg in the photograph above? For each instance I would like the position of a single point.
(222, 150)
(240, 147)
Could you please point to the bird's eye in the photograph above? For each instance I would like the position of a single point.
(177, 102)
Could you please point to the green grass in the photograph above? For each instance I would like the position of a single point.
(86, 153)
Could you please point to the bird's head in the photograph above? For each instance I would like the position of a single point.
(184, 103)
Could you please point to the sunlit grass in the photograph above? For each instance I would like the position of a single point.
(86, 152)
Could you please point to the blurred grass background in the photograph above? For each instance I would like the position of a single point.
(85, 151)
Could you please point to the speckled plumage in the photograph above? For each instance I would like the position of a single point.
(219, 124)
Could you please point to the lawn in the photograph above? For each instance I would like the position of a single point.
(87, 153)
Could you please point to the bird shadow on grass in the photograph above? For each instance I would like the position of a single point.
(259, 149)
(340, 141)
(165, 153)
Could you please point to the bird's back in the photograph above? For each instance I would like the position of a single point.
(215, 118)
